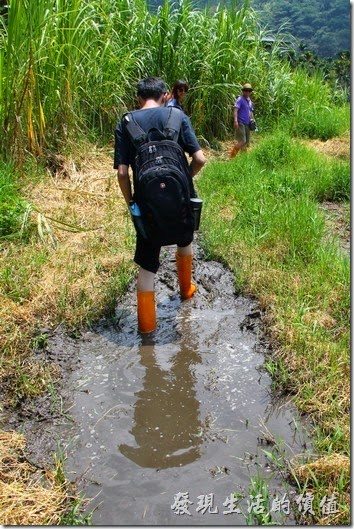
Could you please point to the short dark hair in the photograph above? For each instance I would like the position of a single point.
(151, 88)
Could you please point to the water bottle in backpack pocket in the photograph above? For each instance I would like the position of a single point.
(197, 205)
(137, 219)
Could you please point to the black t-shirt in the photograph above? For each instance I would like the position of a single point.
(149, 118)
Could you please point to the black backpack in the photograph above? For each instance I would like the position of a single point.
(162, 183)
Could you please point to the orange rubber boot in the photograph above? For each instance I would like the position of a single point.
(146, 311)
(234, 151)
(184, 272)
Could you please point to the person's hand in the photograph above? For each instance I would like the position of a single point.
(235, 124)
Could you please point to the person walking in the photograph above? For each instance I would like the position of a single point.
(243, 114)
(177, 94)
(153, 114)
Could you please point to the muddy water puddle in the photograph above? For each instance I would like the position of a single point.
(186, 409)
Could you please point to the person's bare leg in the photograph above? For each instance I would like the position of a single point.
(185, 250)
(145, 280)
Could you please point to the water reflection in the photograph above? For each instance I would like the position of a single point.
(167, 421)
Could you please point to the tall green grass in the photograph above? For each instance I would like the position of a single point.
(12, 206)
(314, 114)
(271, 195)
(70, 67)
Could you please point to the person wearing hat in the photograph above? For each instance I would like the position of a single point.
(243, 113)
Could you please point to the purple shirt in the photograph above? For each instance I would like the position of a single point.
(244, 106)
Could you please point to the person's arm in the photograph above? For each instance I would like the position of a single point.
(189, 143)
(122, 161)
(235, 117)
(251, 110)
(198, 161)
(124, 182)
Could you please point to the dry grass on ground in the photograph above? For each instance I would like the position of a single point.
(329, 470)
(334, 147)
(27, 496)
(59, 274)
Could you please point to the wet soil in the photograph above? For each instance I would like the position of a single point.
(186, 409)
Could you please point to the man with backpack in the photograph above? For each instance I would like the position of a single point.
(152, 141)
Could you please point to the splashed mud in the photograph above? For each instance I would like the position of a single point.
(186, 409)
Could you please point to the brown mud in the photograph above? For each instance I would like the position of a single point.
(186, 409)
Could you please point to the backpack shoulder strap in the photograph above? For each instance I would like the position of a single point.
(136, 133)
(173, 124)
(170, 131)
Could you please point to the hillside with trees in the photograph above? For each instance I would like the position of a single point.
(322, 26)
(319, 26)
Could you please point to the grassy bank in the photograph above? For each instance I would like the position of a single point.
(262, 218)
(63, 259)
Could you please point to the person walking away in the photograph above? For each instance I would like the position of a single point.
(177, 94)
(153, 115)
(243, 114)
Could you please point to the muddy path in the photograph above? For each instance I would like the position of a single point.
(187, 409)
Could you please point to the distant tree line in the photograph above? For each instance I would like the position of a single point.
(321, 26)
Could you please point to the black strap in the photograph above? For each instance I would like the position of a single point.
(170, 131)
(173, 124)
(137, 134)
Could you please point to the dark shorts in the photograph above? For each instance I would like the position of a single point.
(243, 133)
(147, 255)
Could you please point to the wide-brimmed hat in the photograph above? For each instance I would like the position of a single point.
(247, 86)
